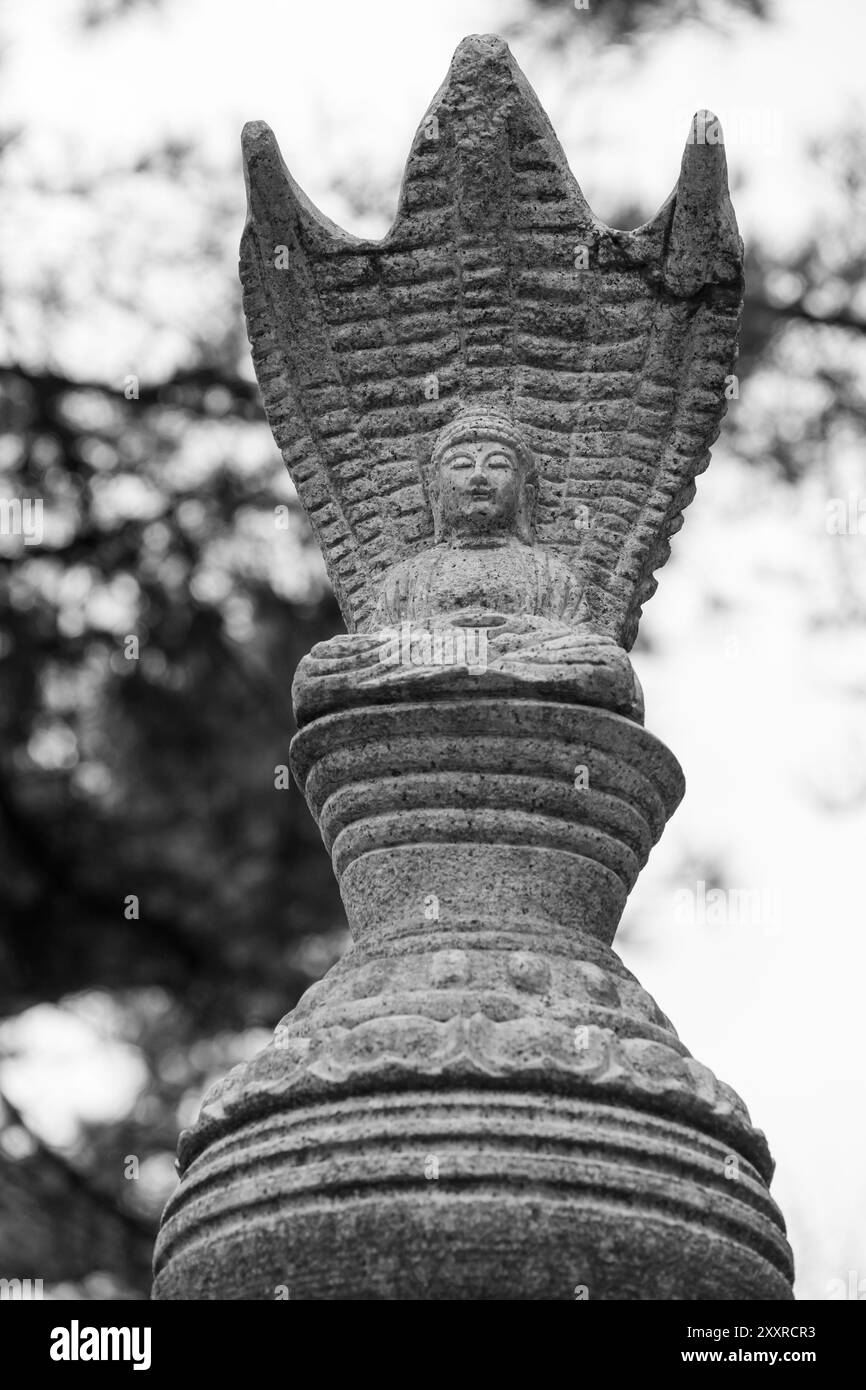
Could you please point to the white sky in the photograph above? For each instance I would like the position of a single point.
(763, 708)
(344, 86)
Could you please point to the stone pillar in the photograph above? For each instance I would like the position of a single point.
(494, 442)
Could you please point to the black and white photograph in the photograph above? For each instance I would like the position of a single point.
(432, 667)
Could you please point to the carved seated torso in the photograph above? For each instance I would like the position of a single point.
(501, 578)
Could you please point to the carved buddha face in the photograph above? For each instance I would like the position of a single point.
(480, 486)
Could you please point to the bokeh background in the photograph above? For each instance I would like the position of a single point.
(163, 902)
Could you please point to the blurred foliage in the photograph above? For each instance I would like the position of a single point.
(627, 21)
(153, 775)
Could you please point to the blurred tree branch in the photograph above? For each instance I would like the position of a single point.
(798, 310)
(99, 1231)
(187, 389)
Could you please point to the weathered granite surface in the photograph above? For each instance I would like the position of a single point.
(494, 419)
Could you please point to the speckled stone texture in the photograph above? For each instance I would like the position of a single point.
(494, 419)
(479, 1101)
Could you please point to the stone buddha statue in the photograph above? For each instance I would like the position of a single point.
(484, 569)
(470, 748)
(484, 575)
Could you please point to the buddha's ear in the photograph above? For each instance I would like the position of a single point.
(527, 509)
(431, 491)
(431, 484)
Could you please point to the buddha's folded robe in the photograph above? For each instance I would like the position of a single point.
(480, 653)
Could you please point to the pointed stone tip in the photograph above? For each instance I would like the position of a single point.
(262, 162)
(705, 132)
(481, 48)
(256, 136)
(704, 246)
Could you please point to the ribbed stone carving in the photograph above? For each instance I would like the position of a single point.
(480, 1071)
